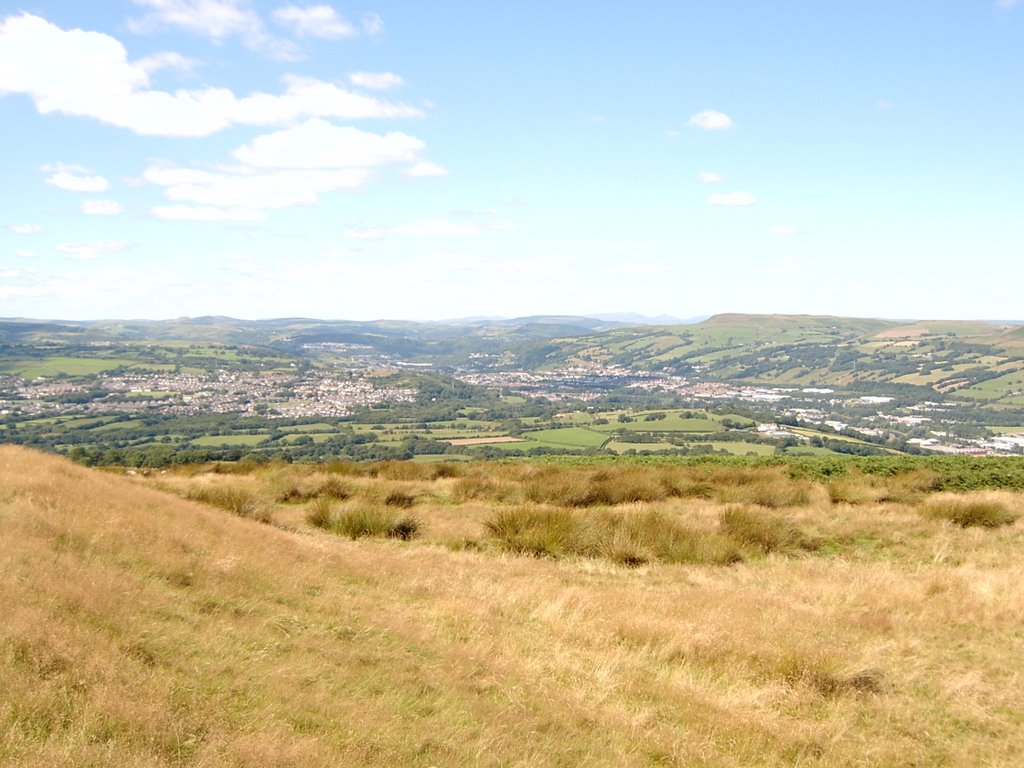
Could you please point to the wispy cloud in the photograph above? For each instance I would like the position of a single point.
(317, 143)
(25, 229)
(426, 169)
(711, 120)
(92, 250)
(217, 20)
(74, 178)
(372, 24)
(204, 213)
(709, 177)
(738, 199)
(428, 228)
(314, 21)
(377, 81)
(101, 207)
(783, 229)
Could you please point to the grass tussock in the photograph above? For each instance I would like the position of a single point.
(760, 531)
(363, 521)
(630, 539)
(302, 490)
(969, 512)
(237, 501)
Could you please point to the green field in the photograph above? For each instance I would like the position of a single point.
(54, 366)
(570, 437)
(231, 440)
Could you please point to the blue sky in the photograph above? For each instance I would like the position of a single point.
(434, 160)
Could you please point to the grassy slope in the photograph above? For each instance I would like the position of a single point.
(142, 629)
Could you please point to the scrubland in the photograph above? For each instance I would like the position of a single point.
(507, 615)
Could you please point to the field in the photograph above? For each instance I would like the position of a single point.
(729, 613)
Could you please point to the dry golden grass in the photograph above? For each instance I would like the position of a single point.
(144, 629)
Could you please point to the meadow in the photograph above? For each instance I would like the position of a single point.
(698, 613)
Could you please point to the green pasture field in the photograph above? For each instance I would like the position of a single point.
(74, 422)
(318, 437)
(1007, 430)
(70, 366)
(116, 425)
(320, 426)
(570, 437)
(995, 388)
(673, 422)
(229, 440)
(925, 379)
(620, 446)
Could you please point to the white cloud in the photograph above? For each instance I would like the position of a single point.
(213, 19)
(711, 120)
(166, 60)
(709, 177)
(204, 213)
(1007, 3)
(427, 228)
(246, 189)
(87, 74)
(317, 143)
(23, 253)
(314, 21)
(783, 229)
(376, 81)
(424, 169)
(25, 229)
(373, 24)
(73, 182)
(732, 199)
(92, 250)
(101, 207)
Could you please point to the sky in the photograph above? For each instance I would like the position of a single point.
(432, 160)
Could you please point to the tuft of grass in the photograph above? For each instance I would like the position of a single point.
(321, 514)
(234, 500)
(763, 532)
(627, 539)
(399, 499)
(969, 513)
(537, 532)
(363, 521)
(333, 488)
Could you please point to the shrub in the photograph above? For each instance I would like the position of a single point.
(969, 513)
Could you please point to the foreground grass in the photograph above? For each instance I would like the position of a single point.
(147, 629)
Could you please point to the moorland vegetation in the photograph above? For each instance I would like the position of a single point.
(768, 612)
